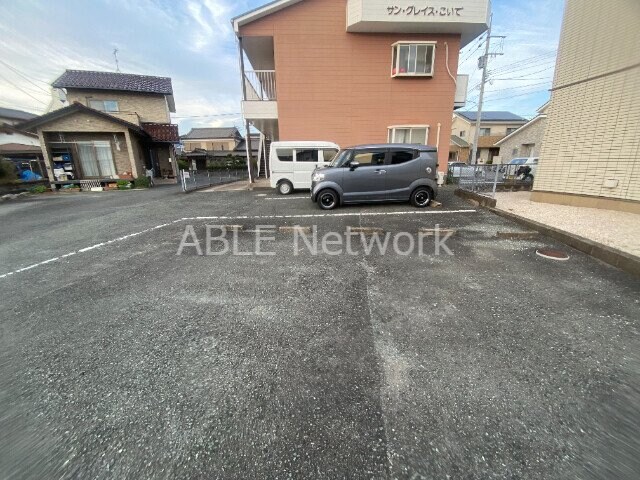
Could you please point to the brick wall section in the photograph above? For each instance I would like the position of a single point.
(593, 126)
(337, 86)
(533, 134)
(149, 107)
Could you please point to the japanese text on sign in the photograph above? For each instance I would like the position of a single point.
(427, 11)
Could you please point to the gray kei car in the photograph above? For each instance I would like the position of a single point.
(377, 173)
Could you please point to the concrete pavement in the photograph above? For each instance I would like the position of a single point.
(129, 361)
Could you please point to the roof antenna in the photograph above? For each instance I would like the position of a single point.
(115, 55)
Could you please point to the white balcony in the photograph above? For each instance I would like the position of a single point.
(469, 18)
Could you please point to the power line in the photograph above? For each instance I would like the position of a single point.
(15, 70)
(22, 90)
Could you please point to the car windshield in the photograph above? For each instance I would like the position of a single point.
(518, 161)
(341, 157)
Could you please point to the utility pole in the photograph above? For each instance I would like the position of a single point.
(482, 63)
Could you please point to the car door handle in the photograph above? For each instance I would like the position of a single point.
(380, 172)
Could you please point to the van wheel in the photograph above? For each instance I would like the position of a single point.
(284, 187)
(327, 199)
(421, 197)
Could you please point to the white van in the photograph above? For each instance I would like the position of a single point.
(291, 163)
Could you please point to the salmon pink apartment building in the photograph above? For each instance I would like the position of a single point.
(357, 71)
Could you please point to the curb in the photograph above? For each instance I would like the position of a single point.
(617, 258)
(481, 199)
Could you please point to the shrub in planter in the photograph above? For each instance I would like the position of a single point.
(141, 182)
(123, 184)
(38, 189)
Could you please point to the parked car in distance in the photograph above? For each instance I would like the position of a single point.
(291, 163)
(377, 173)
(515, 164)
(455, 168)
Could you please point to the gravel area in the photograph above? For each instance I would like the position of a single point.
(616, 229)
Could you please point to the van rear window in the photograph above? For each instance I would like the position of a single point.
(285, 154)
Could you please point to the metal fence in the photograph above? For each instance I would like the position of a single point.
(195, 179)
(489, 178)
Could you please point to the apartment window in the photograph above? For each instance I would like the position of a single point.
(104, 105)
(408, 134)
(412, 59)
(462, 133)
(485, 132)
(511, 130)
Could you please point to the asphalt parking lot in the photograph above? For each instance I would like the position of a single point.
(121, 359)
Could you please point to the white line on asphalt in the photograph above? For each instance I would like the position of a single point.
(242, 217)
(287, 198)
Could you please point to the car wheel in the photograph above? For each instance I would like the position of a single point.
(327, 199)
(285, 187)
(421, 197)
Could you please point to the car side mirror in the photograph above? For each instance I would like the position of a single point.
(353, 165)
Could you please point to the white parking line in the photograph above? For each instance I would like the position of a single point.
(287, 198)
(242, 217)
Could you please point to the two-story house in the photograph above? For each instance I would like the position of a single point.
(494, 126)
(356, 71)
(224, 138)
(114, 126)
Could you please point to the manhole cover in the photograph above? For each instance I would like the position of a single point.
(552, 254)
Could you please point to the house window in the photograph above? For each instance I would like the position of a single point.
(104, 105)
(408, 134)
(511, 130)
(412, 59)
(462, 133)
(485, 132)
(96, 159)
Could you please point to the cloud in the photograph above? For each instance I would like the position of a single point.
(521, 77)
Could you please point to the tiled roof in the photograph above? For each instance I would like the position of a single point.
(162, 132)
(114, 81)
(204, 133)
(456, 140)
(16, 114)
(19, 148)
(492, 116)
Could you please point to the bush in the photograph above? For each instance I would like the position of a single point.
(8, 170)
(38, 189)
(183, 164)
(123, 184)
(141, 182)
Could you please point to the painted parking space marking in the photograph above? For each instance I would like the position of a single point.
(224, 217)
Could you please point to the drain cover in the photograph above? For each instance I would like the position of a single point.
(552, 254)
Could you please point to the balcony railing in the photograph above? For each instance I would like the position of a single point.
(260, 85)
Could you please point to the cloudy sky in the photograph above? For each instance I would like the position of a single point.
(192, 42)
